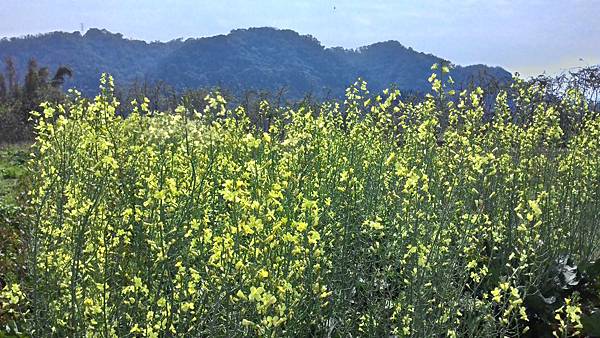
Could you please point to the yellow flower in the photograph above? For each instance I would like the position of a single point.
(246, 322)
(301, 226)
(497, 297)
(263, 273)
(187, 306)
(535, 207)
(313, 237)
(255, 293)
(240, 294)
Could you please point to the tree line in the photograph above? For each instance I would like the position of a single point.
(19, 97)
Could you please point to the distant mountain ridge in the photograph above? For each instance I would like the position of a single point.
(254, 58)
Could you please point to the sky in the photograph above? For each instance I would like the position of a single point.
(525, 36)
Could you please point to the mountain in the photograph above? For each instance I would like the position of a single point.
(254, 58)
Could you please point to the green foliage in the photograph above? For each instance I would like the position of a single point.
(17, 101)
(12, 168)
(12, 255)
(565, 280)
(367, 218)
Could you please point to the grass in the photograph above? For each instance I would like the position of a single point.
(12, 169)
(12, 173)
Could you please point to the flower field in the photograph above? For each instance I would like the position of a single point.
(370, 217)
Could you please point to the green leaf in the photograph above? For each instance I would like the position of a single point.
(591, 324)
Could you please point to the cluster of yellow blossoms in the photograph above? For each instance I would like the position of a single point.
(373, 217)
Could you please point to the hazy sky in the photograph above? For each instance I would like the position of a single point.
(528, 36)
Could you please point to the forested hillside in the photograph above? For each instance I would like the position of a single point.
(255, 58)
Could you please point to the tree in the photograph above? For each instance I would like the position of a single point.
(18, 100)
(32, 80)
(2, 88)
(11, 73)
(59, 77)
